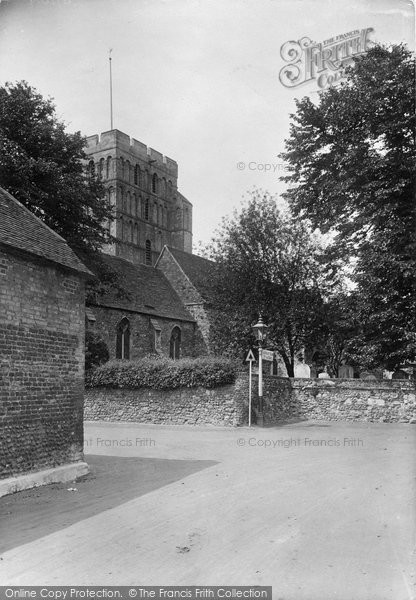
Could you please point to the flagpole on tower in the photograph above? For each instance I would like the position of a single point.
(111, 88)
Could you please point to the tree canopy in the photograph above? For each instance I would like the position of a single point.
(266, 263)
(42, 166)
(351, 161)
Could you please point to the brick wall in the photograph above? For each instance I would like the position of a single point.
(284, 399)
(142, 340)
(41, 365)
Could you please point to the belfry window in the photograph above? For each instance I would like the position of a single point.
(148, 253)
(154, 183)
(123, 339)
(146, 209)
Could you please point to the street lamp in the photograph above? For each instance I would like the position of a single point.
(260, 335)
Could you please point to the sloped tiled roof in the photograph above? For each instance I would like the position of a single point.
(198, 270)
(21, 229)
(147, 291)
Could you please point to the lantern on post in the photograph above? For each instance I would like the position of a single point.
(260, 332)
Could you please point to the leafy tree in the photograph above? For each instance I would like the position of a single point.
(266, 263)
(96, 351)
(42, 166)
(338, 341)
(352, 167)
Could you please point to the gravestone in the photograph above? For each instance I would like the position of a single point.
(346, 372)
(302, 370)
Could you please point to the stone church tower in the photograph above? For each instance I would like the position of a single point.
(142, 186)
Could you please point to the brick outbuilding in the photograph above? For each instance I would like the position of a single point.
(42, 323)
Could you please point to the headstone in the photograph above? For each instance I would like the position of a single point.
(324, 375)
(302, 370)
(346, 372)
(367, 375)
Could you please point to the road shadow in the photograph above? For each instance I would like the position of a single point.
(32, 514)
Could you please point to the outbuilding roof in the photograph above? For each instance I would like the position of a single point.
(21, 229)
(147, 291)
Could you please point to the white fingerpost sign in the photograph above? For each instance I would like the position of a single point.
(250, 359)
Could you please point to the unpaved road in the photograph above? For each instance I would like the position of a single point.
(319, 511)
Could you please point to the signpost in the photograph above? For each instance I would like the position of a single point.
(268, 355)
(250, 359)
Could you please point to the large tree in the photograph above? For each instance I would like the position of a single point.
(266, 263)
(42, 166)
(351, 160)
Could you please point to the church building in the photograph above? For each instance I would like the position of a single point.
(166, 306)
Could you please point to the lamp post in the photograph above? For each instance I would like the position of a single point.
(260, 335)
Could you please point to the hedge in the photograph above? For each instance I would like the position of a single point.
(163, 373)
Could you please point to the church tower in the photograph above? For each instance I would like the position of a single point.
(142, 186)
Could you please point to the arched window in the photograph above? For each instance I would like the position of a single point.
(108, 168)
(101, 168)
(179, 218)
(123, 200)
(91, 168)
(154, 183)
(123, 339)
(175, 343)
(146, 209)
(136, 174)
(148, 255)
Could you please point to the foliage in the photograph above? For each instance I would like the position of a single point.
(339, 334)
(96, 351)
(163, 373)
(351, 161)
(266, 263)
(41, 165)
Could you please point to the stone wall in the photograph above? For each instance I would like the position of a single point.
(284, 399)
(192, 406)
(338, 400)
(41, 365)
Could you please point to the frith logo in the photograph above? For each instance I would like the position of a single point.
(324, 62)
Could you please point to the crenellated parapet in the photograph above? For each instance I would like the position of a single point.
(130, 148)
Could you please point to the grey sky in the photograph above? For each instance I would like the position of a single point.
(196, 80)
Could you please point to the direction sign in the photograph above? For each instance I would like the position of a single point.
(268, 355)
(250, 356)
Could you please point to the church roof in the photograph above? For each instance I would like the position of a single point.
(147, 291)
(198, 270)
(21, 229)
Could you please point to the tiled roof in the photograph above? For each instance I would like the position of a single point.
(148, 291)
(198, 270)
(21, 229)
